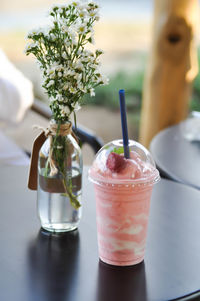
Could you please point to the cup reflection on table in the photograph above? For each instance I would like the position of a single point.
(53, 260)
(121, 283)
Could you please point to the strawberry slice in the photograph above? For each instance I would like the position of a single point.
(115, 162)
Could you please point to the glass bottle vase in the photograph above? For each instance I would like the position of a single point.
(59, 181)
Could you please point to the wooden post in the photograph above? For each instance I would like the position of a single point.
(172, 66)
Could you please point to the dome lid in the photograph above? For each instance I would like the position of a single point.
(111, 168)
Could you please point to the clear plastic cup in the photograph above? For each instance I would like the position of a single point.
(123, 202)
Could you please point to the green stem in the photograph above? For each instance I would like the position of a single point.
(73, 199)
(58, 155)
(75, 122)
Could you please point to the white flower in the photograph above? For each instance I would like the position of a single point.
(65, 73)
(50, 83)
(67, 43)
(70, 72)
(59, 97)
(87, 56)
(75, 3)
(89, 53)
(85, 59)
(93, 7)
(72, 90)
(76, 107)
(93, 13)
(74, 41)
(64, 110)
(64, 55)
(81, 87)
(79, 65)
(72, 32)
(52, 37)
(92, 93)
(65, 87)
(60, 10)
(82, 28)
(79, 52)
(58, 67)
(78, 77)
(93, 65)
(52, 74)
(104, 79)
(64, 28)
(83, 12)
(51, 99)
(39, 65)
(28, 47)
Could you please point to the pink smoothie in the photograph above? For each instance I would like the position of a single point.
(122, 207)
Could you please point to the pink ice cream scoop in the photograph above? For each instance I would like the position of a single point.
(123, 189)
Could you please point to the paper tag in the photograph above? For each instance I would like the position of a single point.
(32, 179)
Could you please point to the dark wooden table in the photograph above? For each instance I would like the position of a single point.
(177, 158)
(37, 266)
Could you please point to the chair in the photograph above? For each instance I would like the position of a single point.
(84, 134)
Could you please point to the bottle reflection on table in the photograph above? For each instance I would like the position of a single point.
(53, 262)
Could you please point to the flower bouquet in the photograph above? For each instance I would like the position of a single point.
(70, 70)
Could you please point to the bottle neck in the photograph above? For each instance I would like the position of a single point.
(60, 129)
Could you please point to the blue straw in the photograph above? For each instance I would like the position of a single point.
(124, 123)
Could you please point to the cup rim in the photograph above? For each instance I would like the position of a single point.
(153, 179)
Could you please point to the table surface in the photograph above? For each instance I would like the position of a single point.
(176, 157)
(37, 266)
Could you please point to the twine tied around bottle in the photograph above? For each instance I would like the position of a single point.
(52, 130)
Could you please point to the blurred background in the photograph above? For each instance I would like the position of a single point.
(123, 32)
